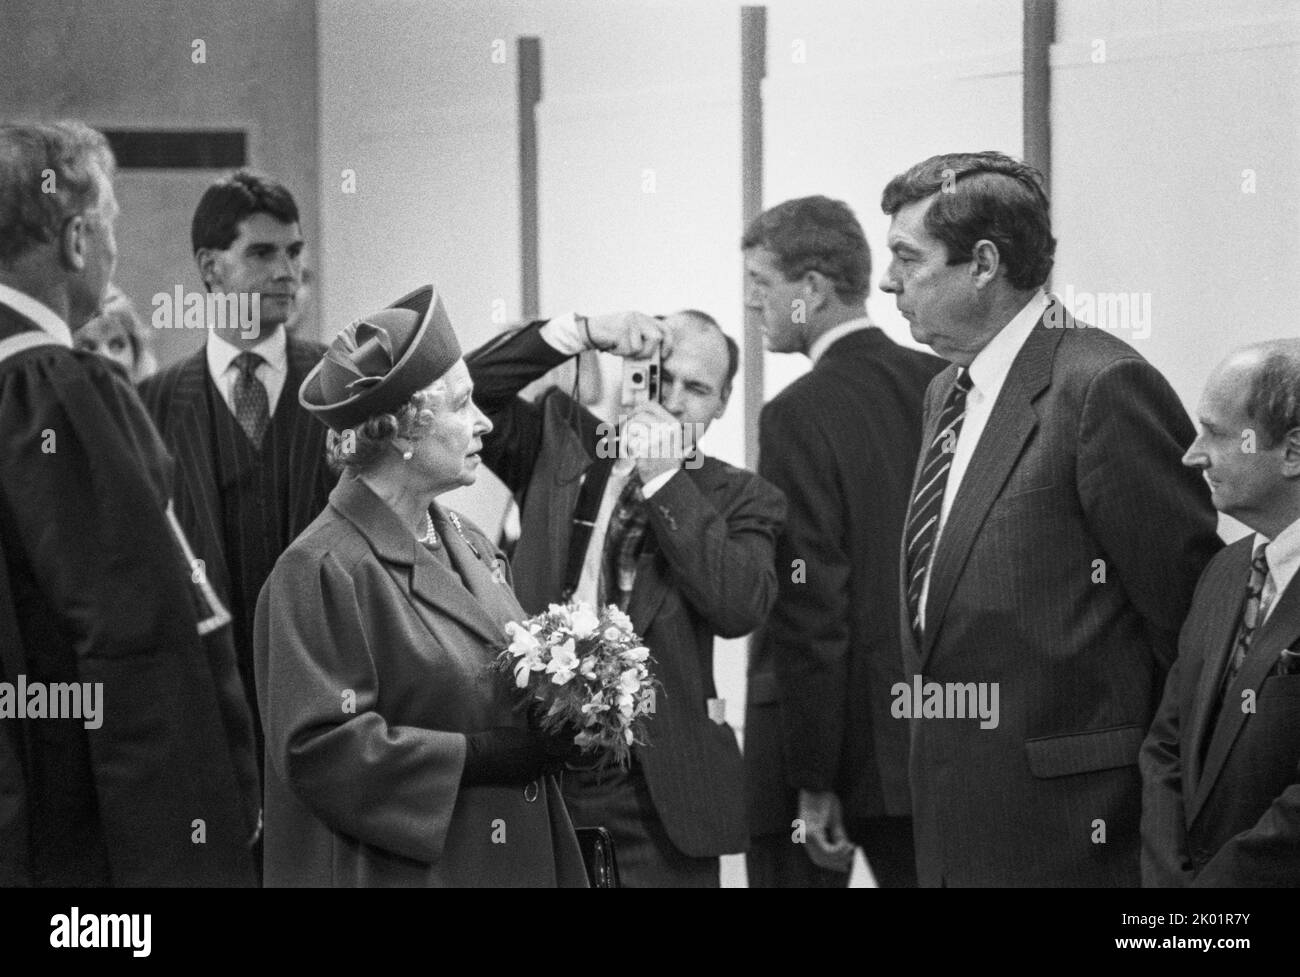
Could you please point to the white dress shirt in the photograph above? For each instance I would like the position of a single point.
(39, 313)
(272, 371)
(988, 372)
(1283, 554)
(831, 336)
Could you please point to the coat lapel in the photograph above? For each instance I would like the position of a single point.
(1009, 426)
(430, 580)
(1280, 631)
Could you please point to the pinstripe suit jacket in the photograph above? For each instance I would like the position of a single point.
(707, 570)
(1221, 795)
(177, 400)
(1063, 574)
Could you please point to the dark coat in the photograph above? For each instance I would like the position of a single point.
(94, 588)
(372, 660)
(1079, 463)
(708, 571)
(1221, 796)
(841, 442)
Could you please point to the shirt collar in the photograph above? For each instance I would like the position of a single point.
(273, 349)
(38, 312)
(989, 369)
(1283, 552)
(827, 339)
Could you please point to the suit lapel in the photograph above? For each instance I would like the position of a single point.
(192, 442)
(306, 440)
(1280, 631)
(1227, 595)
(1009, 425)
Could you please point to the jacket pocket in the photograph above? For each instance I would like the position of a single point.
(1071, 753)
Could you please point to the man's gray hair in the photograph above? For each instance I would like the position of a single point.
(1274, 398)
(47, 176)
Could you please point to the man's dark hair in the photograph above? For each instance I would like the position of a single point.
(233, 199)
(733, 350)
(982, 196)
(1274, 398)
(815, 234)
(47, 177)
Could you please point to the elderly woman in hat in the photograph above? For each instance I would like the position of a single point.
(393, 755)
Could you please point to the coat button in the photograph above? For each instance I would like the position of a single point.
(531, 791)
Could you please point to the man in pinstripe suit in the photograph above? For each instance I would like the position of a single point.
(250, 460)
(1050, 549)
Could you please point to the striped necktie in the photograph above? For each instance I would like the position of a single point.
(927, 504)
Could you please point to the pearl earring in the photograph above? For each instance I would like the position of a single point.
(407, 454)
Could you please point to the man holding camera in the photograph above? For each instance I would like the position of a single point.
(681, 542)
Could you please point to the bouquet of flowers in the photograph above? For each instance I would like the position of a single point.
(585, 670)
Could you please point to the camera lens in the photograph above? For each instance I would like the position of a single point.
(638, 377)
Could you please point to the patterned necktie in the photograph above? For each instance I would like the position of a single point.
(923, 516)
(252, 408)
(627, 525)
(1251, 614)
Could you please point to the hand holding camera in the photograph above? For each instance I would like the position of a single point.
(631, 334)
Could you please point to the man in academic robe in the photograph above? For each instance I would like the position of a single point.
(1221, 764)
(160, 788)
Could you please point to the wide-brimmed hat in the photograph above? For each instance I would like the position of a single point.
(379, 361)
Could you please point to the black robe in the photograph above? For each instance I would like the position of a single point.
(94, 589)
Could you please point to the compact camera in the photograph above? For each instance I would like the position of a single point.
(641, 379)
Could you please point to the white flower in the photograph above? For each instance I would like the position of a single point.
(561, 613)
(563, 663)
(618, 619)
(629, 682)
(612, 635)
(588, 669)
(584, 621)
(522, 641)
(638, 654)
(594, 708)
(625, 705)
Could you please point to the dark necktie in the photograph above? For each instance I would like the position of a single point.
(1251, 615)
(923, 516)
(252, 408)
(627, 525)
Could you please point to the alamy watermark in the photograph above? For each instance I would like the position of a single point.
(628, 438)
(1127, 311)
(179, 309)
(947, 700)
(61, 700)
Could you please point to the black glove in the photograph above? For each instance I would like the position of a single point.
(509, 756)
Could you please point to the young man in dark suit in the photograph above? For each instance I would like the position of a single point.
(681, 541)
(125, 741)
(250, 460)
(822, 753)
(1221, 764)
(1051, 547)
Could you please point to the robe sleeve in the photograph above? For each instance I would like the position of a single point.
(393, 787)
(83, 484)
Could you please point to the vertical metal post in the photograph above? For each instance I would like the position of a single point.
(530, 94)
(1039, 35)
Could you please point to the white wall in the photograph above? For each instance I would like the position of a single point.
(1176, 129)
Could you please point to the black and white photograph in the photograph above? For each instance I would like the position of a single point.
(651, 444)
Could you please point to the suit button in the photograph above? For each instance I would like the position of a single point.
(531, 791)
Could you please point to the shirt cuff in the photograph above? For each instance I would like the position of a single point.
(564, 335)
(656, 483)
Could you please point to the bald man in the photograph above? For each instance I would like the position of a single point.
(682, 542)
(1221, 763)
